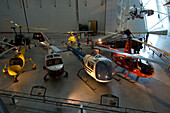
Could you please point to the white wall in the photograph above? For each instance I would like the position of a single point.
(136, 25)
(61, 18)
(111, 15)
(116, 18)
(93, 11)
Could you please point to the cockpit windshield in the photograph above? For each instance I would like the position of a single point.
(104, 70)
(16, 61)
(56, 61)
(145, 67)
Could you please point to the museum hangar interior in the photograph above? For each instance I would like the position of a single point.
(84, 56)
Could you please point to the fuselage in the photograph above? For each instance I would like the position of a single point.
(98, 67)
(17, 63)
(54, 64)
(133, 65)
(130, 64)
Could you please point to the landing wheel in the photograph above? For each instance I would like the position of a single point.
(66, 74)
(5, 70)
(15, 78)
(34, 66)
(127, 78)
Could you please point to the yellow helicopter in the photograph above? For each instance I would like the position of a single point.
(71, 40)
(16, 64)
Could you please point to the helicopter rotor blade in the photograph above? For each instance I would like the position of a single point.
(3, 53)
(133, 56)
(152, 46)
(5, 26)
(12, 22)
(9, 27)
(34, 28)
(152, 32)
(24, 27)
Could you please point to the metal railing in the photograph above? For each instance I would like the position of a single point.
(68, 102)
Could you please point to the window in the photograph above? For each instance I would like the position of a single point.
(56, 61)
(90, 65)
(159, 20)
(16, 61)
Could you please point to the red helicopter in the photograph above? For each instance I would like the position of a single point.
(128, 61)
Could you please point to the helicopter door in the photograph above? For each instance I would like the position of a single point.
(90, 67)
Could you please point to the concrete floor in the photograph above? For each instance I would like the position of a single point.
(151, 94)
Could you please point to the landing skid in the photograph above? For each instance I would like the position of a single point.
(127, 78)
(117, 79)
(26, 70)
(46, 79)
(85, 81)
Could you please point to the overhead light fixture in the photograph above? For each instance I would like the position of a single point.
(102, 2)
(69, 3)
(85, 3)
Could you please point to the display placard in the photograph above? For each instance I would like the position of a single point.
(109, 100)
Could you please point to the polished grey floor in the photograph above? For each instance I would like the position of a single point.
(151, 94)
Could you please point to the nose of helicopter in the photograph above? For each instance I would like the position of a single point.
(14, 70)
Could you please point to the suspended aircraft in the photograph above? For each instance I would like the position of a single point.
(16, 64)
(97, 66)
(131, 62)
(138, 12)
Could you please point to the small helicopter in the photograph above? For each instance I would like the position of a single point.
(138, 12)
(16, 64)
(97, 66)
(53, 61)
(71, 40)
(130, 62)
(19, 38)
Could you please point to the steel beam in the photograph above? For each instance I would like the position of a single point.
(7, 4)
(54, 1)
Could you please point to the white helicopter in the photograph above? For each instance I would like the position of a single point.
(97, 66)
(53, 61)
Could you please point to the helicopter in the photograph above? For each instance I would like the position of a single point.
(53, 61)
(19, 37)
(135, 12)
(130, 62)
(16, 64)
(71, 40)
(98, 67)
